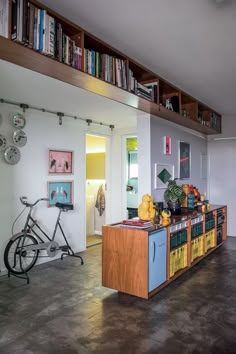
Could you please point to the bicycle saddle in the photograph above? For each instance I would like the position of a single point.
(64, 207)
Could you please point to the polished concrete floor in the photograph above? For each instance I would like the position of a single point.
(65, 310)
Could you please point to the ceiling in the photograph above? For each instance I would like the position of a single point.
(190, 43)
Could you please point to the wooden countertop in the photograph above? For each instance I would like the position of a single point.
(185, 215)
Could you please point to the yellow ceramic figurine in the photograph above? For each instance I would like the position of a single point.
(146, 210)
(165, 217)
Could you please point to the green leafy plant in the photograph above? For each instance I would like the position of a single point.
(174, 193)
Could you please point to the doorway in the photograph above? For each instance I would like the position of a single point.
(131, 146)
(95, 188)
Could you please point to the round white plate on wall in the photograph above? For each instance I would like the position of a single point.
(19, 138)
(18, 120)
(12, 155)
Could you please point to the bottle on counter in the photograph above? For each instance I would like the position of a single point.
(185, 188)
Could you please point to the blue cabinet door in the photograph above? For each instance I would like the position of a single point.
(157, 258)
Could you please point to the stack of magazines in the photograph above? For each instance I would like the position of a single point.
(136, 223)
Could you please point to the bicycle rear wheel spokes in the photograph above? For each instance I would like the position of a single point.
(18, 257)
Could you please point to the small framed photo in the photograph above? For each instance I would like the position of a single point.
(60, 192)
(60, 162)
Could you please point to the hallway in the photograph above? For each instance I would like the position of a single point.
(64, 310)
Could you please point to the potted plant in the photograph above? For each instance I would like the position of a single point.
(174, 196)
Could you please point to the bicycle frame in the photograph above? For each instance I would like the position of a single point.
(22, 249)
(29, 227)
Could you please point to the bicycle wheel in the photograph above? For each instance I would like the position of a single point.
(17, 258)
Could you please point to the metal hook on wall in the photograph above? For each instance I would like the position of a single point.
(60, 115)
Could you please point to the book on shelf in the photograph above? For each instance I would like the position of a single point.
(14, 20)
(37, 29)
(153, 87)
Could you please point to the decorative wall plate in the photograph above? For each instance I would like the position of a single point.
(19, 120)
(12, 155)
(19, 138)
(3, 142)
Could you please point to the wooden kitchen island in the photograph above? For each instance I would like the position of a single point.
(141, 262)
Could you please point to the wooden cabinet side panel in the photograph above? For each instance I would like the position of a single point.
(125, 260)
(224, 226)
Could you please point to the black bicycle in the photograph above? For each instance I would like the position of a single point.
(23, 249)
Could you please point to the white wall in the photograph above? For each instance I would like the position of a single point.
(198, 146)
(144, 155)
(30, 176)
(222, 169)
(116, 188)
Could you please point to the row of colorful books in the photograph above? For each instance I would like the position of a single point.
(113, 70)
(36, 29)
(105, 67)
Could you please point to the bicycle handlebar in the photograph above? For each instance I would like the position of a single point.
(24, 201)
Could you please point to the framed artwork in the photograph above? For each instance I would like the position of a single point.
(60, 162)
(167, 145)
(162, 174)
(60, 192)
(184, 160)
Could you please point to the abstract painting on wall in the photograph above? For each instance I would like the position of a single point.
(162, 174)
(184, 160)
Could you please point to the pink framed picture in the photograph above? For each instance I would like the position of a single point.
(60, 162)
(167, 145)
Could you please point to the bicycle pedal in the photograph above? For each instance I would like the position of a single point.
(64, 248)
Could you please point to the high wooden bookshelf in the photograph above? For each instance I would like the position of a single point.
(110, 73)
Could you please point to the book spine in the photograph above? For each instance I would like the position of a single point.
(59, 40)
(27, 23)
(51, 36)
(31, 25)
(41, 23)
(38, 29)
(4, 18)
(44, 50)
(24, 21)
(14, 19)
(47, 34)
(19, 20)
(80, 56)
